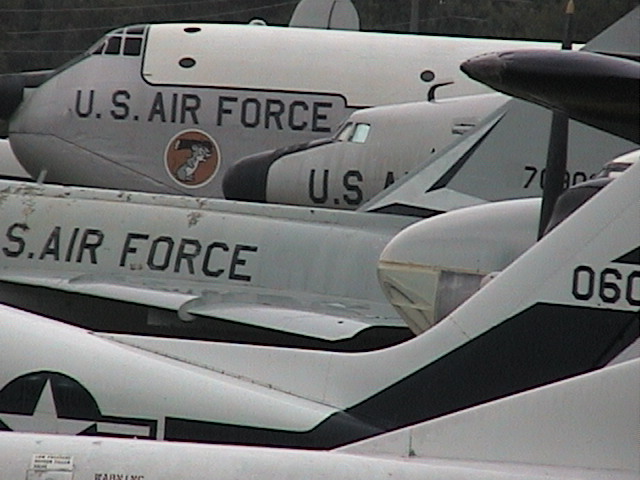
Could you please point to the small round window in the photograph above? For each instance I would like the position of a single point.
(187, 62)
(427, 76)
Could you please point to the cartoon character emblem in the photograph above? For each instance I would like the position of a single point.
(192, 158)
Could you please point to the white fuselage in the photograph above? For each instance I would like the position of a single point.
(216, 258)
(517, 437)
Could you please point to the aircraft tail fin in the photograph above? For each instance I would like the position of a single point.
(587, 422)
(326, 14)
(504, 157)
(501, 159)
(582, 277)
(622, 39)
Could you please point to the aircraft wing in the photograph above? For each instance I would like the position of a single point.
(315, 316)
(281, 318)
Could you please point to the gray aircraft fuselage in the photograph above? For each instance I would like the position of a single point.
(170, 107)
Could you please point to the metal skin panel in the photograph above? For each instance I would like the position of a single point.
(466, 245)
(597, 411)
(241, 274)
(621, 39)
(549, 289)
(467, 239)
(197, 244)
(96, 460)
(487, 166)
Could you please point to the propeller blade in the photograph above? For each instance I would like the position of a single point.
(556, 166)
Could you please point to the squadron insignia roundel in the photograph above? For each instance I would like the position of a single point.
(192, 158)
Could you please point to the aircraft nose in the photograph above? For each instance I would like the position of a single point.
(12, 87)
(488, 68)
(247, 179)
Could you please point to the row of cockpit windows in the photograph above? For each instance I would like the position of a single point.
(124, 41)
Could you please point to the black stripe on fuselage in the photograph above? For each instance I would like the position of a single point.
(632, 258)
(540, 345)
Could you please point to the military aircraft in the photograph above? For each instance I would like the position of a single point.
(590, 434)
(170, 107)
(374, 147)
(563, 308)
(219, 270)
(350, 170)
(378, 146)
(214, 269)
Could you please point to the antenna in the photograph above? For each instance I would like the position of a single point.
(556, 165)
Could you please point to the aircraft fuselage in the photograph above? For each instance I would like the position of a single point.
(170, 107)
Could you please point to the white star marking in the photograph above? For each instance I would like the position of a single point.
(45, 418)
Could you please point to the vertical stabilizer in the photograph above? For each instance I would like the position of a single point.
(622, 39)
(326, 14)
(504, 157)
(501, 159)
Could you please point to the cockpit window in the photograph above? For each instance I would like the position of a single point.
(113, 46)
(355, 133)
(360, 133)
(98, 49)
(344, 133)
(123, 41)
(132, 46)
(133, 40)
(137, 30)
